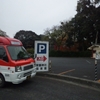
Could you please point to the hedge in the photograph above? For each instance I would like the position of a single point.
(70, 54)
(65, 54)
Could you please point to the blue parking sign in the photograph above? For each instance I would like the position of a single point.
(41, 48)
(41, 55)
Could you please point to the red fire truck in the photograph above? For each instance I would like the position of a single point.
(15, 63)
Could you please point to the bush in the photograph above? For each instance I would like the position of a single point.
(31, 52)
(70, 54)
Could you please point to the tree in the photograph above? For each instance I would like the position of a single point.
(82, 29)
(2, 33)
(56, 37)
(27, 38)
(87, 21)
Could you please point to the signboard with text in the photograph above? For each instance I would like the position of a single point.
(42, 55)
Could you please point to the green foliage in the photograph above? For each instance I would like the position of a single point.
(82, 29)
(70, 54)
(53, 35)
(27, 38)
(30, 50)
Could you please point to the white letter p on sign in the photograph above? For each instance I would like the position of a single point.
(41, 47)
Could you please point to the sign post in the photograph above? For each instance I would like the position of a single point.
(42, 56)
(96, 58)
(95, 69)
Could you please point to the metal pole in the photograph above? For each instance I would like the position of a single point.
(50, 65)
(96, 39)
(95, 69)
(96, 57)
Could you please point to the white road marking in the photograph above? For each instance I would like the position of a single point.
(88, 61)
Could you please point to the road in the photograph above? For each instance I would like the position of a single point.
(77, 67)
(44, 88)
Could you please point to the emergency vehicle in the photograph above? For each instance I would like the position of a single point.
(15, 63)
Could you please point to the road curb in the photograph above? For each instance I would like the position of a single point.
(77, 80)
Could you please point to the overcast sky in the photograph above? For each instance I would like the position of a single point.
(34, 15)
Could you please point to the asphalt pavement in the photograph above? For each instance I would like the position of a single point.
(45, 88)
(69, 79)
(77, 67)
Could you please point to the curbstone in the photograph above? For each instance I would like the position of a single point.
(77, 80)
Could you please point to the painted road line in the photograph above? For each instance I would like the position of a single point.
(66, 72)
(99, 80)
(88, 61)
